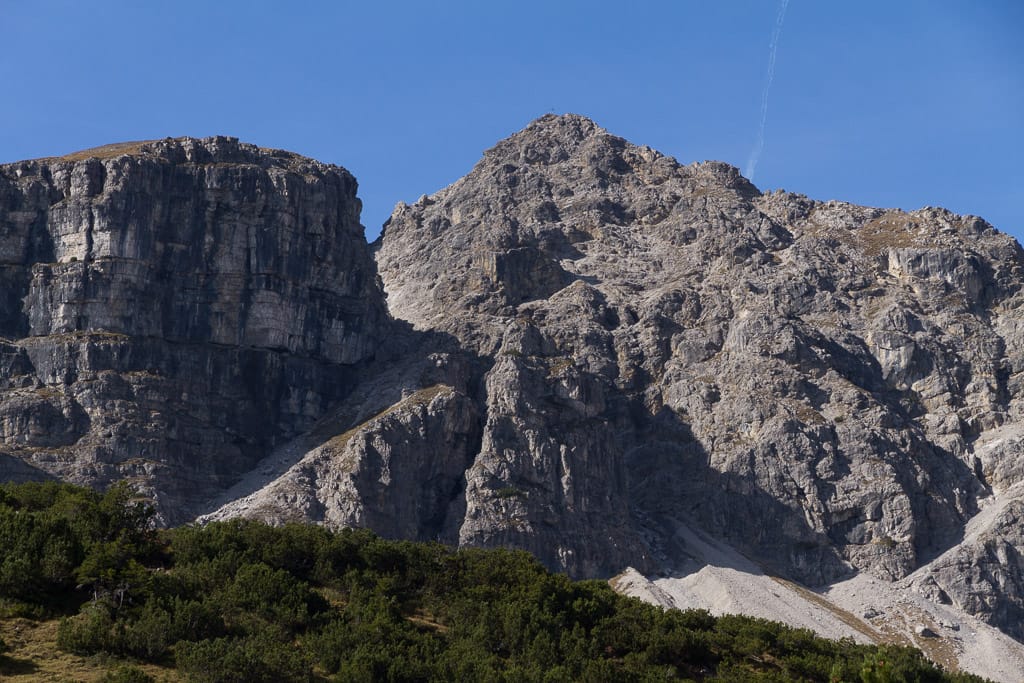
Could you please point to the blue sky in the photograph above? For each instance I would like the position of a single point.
(890, 103)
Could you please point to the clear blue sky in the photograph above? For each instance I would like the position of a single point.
(900, 103)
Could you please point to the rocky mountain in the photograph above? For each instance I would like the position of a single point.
(830, 388)
(588, 350)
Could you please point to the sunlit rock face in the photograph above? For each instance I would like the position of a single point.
(171, 309)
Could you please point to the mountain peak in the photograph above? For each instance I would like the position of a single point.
(567, 123)
(550, 139)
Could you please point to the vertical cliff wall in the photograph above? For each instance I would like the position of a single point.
(170, 310)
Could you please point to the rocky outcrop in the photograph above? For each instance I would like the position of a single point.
(983, 573)
(172, 309)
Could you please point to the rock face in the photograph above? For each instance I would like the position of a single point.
(172, 309)
(808, 381)
(590, 348)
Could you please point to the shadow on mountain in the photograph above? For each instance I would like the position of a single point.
(673, 481)
(16, 666)
(15, 470)
(407, 362)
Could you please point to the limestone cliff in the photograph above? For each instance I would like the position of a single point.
(172, 309)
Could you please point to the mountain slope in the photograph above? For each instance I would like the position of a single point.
(592, 347)
(808, 381)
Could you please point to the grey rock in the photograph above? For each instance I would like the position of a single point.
(755, 357)
(172, 309)
(805, 379)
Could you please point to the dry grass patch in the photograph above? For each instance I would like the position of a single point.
(420, 398)
(893, 230)
(846, 617)
(938, 649)
(559, 365)
(427, 620)
(107, 151)
(33, 656)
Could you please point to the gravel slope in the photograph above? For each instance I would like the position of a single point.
(864, 608)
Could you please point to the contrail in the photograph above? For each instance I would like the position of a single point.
(755, 155)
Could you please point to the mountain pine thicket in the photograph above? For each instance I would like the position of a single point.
(244, 601)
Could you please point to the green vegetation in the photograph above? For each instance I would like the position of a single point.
(242, 601)
(510, 492)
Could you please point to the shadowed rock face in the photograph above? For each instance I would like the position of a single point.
(173, 308)
(590, 345)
